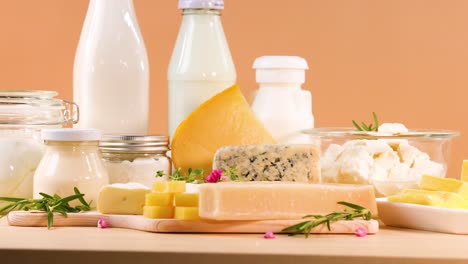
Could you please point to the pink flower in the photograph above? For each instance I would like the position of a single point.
(102, 223)
(361, 232)
(224, 178)
(269, 235)
(214, 176)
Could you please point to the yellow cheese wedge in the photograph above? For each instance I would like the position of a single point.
(434, 198)
(122, 198)
(169, 186)
(224, 120)
(159, 199)
(186, 199)
(464, 174)
(432, 183)
(186, 213)
(158, 211)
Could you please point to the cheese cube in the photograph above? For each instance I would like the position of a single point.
(434, 198)
(464, 173)
(186, 199)
(169, 186)
(271, 162)
(433, 183)
(186, 213)
(159, 199)
(122, 198)
(279, 200)
(158, 211)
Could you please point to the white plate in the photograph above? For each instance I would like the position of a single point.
(423, 217)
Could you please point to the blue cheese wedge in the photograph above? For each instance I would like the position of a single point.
(296, 163)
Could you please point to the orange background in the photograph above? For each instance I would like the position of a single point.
(407, 60)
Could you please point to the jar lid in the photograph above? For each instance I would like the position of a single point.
(71, 134)
(280, 69)
(131, 143)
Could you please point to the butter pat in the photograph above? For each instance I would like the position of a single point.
(279, 200)
(432, 183)
(122, 198)
(158, 211)
(434, 198)
(159, 199)
(169, 186)
(186, 199)
(186, 213)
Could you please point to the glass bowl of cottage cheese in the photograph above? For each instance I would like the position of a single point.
(392, 159)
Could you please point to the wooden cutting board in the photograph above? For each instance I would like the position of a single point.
(138, 222)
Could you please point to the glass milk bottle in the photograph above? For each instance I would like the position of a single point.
(111, 75)
(281, 104)
(201, 65)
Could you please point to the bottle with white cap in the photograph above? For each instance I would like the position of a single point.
(201, 65)
(72, 159)
(281, 104)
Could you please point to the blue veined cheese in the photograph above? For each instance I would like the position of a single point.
(297, 163)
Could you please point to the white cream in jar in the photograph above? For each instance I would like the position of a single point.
(72, 159)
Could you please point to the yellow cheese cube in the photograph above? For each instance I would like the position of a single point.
(122, 198)
(186, 213)
(434, 198)
(186, 199)
(158, 211)
(159, 199)
(464, 174)
(169, 186)
(433, 183)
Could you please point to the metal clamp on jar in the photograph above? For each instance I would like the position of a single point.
(135, 158)
(23, 114)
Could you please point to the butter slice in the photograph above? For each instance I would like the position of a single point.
(279, 200)
(432, 183)
(464, 174)
(434, 198)
(122, 198)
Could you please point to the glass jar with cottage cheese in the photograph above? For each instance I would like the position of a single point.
(135, 158)
(23, 114)
(72, 159)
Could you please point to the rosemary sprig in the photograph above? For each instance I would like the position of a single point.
(48, 203)
(352, 212)
(369, 127)
(192, 175)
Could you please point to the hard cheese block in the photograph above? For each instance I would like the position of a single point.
(299, 163)
(279, 200)
(434, 198)
(122, 198)
(432, 183)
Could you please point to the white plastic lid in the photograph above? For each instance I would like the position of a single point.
(204, 4)
(280, 69)
(71, 134)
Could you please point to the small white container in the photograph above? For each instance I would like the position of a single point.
(201, 64)
(281, 104)
(72, 159)
(135, 158)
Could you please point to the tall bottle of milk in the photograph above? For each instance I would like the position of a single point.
(201, 65)
(111, 75)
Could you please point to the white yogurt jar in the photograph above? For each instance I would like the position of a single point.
(23, 114)
(72, 159)
(135, 158)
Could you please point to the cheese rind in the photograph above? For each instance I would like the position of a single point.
(121, 198)
(299, 163)
(434, 198)
(432, 183)
(279, 200)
